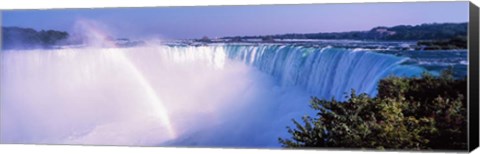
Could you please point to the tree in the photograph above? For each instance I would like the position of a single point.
(443, 36)
(408, 113)
(27, 38)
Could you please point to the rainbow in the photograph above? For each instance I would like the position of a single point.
(159, 110)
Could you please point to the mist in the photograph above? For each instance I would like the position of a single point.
(144, 96)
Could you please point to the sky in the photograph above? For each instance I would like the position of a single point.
(218, 21)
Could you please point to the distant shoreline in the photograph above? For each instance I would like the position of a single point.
(443, 36)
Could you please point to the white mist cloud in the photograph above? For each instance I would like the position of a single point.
(95, 96)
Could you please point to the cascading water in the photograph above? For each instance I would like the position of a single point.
(325, 72)
(216, 95)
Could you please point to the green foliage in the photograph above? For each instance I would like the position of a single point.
(408, 113)
(439, 36)
(453, 43)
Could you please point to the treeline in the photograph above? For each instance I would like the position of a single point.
(453, 43)
(433, 31)
(409, 113)
(27, 38)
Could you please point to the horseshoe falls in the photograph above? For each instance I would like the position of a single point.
(217, 95)
(323, 72)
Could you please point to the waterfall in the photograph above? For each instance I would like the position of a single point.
(164, 94)
(324, 72)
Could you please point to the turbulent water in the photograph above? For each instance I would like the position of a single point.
(216, 95)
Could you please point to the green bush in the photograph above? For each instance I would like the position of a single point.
(409, 113)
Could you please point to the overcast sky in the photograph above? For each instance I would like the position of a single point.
(217, 21)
